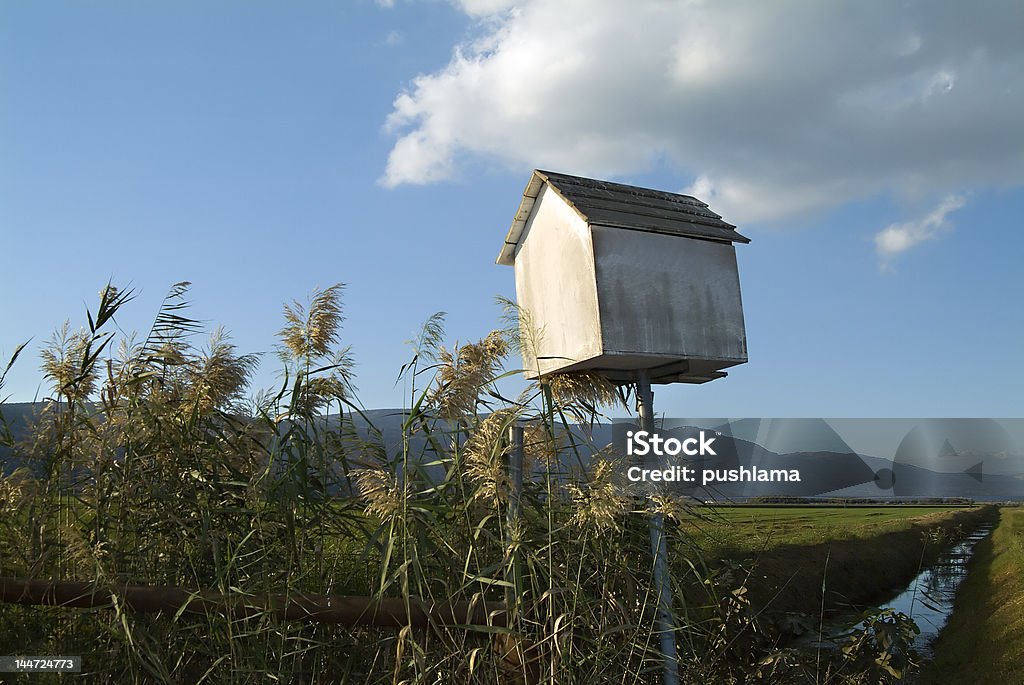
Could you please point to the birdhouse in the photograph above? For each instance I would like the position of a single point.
(615, 279)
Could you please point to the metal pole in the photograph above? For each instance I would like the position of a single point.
(659, 547)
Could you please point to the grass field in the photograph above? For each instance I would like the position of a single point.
(742, 530)
(984, 640)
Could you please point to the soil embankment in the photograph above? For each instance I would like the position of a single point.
(983, 643)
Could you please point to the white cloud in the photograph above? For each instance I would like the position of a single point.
(897, 238)
(778, 109)
(484, 8)
(394, 38)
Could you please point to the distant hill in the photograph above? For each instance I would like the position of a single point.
(17, 415)
(833, 472)
(18, 418)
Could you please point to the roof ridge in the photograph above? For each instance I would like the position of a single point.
(621, 205)
(640, 190)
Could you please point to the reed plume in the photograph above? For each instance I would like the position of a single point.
(598, 504)
(464, 373)
(65, 363)
(310, 332)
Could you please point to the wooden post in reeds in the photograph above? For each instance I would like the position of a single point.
(515, 473)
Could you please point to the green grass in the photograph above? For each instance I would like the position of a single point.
(984, 640)
(738, 531)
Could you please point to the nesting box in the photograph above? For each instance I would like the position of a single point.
(616, 279)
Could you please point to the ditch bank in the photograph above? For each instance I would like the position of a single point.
(982, 641)
(825, 579)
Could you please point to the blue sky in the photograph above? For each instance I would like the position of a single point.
(874, 154)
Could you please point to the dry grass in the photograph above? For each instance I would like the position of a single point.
(154, 467)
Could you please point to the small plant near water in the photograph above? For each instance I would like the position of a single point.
(882, 646)
(940, 536)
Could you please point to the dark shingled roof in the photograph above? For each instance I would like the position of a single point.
(605, 203)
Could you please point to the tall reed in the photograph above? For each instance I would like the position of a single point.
(156, 464)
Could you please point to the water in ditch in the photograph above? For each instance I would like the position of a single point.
(928, 599)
